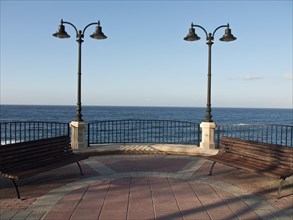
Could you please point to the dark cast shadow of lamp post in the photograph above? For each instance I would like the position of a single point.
(78, 136)
(208, 127)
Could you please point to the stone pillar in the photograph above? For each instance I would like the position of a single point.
(78, 137)
(208, 135)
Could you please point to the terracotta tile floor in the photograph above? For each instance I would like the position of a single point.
(146, 187)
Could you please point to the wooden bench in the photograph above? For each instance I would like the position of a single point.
(261, 158)
(26, 159)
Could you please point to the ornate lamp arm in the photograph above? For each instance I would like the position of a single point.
(66, 22)
(222, 26)
(94, 23)
(195, 25)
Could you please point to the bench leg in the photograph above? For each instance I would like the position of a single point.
(211, 170)
(16, 188)
(80, 170)
(280, 187)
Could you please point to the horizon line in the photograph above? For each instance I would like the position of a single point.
(142, 106)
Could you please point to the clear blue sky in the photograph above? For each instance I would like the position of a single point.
(145, 61)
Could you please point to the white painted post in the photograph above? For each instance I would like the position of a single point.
(78, 139)
(208, 135)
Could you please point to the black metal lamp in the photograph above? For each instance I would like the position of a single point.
(228, 36)
(98, 34)
(191, 36)
(61, 33)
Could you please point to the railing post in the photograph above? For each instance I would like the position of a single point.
(78, 137)
(208, 135)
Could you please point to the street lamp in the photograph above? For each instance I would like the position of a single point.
(98, 34)
(192, 36)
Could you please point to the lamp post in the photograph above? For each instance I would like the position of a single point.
(78, 126)
(192, 36)
(208, 126)
(98, 34)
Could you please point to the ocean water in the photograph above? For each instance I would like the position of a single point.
(103, 113)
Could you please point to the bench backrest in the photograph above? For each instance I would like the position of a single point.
(270, 154)
(33, 153)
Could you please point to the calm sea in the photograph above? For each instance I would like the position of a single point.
(94, 113)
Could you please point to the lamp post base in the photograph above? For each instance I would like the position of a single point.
(78, 138)
(208, 135)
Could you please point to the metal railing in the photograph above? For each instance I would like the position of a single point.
(15, 132)
(143, 131)
(265, 133)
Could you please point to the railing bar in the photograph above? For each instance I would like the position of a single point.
(191, 129)
(281, 140)
(131, 132)
(178, 131)
(167, 132)
(102, 127)
(10, 133)
(136, 133)
(14, 132)
(116, 131)
(276, 134)
(40, 131)
(20, 131)
(267, 133)
(124, 138)
(291, 136)
(151, 131)
(285, 127)
(181, 131)
(98, 136)
(109, 131)
(175, 132)
(261, 133)
(271, 134)
(104, 133)
(185, 133)
(141, 131)
(47, 131)
(53, 129)
(88, 134)
(5, 133)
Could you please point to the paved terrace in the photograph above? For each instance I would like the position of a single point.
(154, 186)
